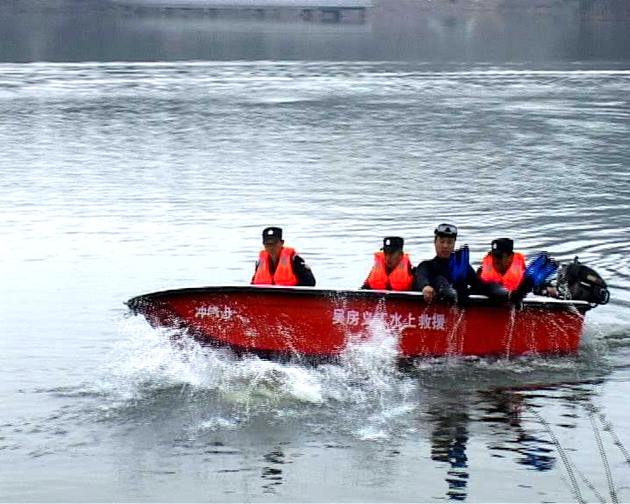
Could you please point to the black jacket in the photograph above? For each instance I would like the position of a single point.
(429, 273)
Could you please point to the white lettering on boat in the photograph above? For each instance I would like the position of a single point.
(439, 321)
(339, 316)
(212, 311)
(436, 321)
(396, 320)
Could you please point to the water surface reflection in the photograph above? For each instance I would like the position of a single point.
(124, 178)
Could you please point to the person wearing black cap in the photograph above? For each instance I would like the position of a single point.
(392, 268)
(502, 265)
(434, 277)
(280, 265)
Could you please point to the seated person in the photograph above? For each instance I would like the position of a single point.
(435, 279)
(502, 265)
(280, 265)
(392, 268)
(503, 273)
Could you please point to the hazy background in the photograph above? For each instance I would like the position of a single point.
(426, 30)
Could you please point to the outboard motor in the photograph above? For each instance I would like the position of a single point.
(578, 281)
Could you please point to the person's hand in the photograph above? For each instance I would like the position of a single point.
(428, 292)
(552, 292)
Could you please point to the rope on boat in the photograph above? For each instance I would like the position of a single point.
(600, 446)
(563, 455)
(589, 485)
(570, 466)
(608, 427)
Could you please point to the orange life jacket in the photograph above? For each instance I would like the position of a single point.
(400, 279)
(512, 277)
(284, 271)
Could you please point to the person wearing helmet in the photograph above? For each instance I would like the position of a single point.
(435, 277)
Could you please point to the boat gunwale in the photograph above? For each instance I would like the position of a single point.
(475, 300)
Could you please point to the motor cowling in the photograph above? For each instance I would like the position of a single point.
(580, 282)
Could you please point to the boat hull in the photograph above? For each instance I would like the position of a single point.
(290, 321)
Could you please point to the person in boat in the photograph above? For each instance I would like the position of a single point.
(503, 268)
(280, 265)
(502, 265)
(448, 277)
(392, 269)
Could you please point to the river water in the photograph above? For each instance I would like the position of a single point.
(121, 178)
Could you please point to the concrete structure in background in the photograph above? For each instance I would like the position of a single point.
(324, 10)
(253, 4)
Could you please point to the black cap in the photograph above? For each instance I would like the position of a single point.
(446, 230)
(393, 243)
(502, 246)
(272, 232)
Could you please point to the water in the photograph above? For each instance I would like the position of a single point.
(120, 178)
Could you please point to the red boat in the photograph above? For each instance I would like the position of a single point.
(303, 322)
